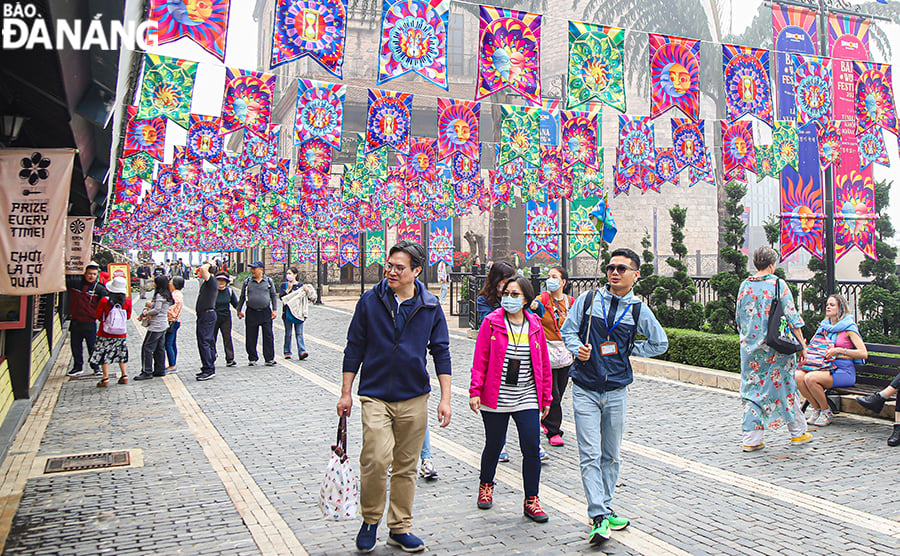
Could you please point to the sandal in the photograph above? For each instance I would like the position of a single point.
(123, 380)
(104, 382)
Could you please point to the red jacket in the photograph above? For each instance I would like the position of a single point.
(490, 353)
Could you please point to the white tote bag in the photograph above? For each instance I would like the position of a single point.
(339, 495)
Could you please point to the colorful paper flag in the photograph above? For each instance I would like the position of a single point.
(509, 53)
(167, 87)
(389, 120)
(314, 28)
(205, 23)
(674, 75)
(414, 39)
(747, 89)
(596, 65)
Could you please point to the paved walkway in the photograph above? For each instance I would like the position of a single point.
(233, 466)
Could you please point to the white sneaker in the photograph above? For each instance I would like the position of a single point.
(812, 414)
(427, 470)
(825, 418)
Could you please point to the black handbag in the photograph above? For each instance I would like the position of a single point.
(779, 335)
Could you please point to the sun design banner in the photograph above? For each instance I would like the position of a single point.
(350, 249)
(421, 164)
(144, 135)
(463, 168)
(551, 171)
(785, 146)
(204, 139)
(139, 165)
(541, 229)
(389, 120)
(747, 90)
(314, 28)
(764, 162)
(596, 65)
(667, 165)
(696, 176)
(587, 181)
(636, 143)
(204, 22)
(690, 145)
(520, 134)
(829, 139)
(166, 89)
(854, 215)
(580, 133)
(314, 155)
(794, 30)
(509, 53)
(259, 149)
(674, 75)
(374, 163)
(248, 100)
(583, 236)
(457, 127)
(414, 39)
(375, 247)
(440, 242)
(812, 89)
(320, 112)
(410, 231)
(738, 151)
(875, 97)
(647, 180)
(872, 148)
(802, 216)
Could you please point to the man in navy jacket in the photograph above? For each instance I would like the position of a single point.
(393, 325)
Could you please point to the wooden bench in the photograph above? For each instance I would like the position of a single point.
(872, 376)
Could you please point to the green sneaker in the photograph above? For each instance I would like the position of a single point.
(599, 530)
(616, 523)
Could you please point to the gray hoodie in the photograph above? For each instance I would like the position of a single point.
(159, 320)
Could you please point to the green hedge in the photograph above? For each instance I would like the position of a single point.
(702, 349)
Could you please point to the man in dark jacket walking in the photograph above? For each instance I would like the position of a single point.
(85, 293)
(393, 325)
(261, 298)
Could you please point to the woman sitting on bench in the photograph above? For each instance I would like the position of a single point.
(829, 359)
(875, 402)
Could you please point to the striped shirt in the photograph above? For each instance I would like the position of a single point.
(523, 395)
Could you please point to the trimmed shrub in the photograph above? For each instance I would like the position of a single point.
(703, 349)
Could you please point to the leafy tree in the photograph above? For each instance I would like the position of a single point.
(649, 280)
(772, 228)
(879, 302)
(720, 313)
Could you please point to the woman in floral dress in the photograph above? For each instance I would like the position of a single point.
(769, 393)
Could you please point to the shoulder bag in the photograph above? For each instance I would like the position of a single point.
(779, 335)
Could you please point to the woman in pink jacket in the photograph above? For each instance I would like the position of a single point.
(511, 376)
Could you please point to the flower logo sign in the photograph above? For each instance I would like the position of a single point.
(34, 169)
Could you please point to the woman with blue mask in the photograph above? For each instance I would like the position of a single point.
(552, 306)
(511, 377)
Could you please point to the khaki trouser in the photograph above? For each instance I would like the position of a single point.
(146, 285)
(392, 436)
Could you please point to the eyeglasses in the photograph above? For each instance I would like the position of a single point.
(388, 268)
(618, 268)
(514, 295)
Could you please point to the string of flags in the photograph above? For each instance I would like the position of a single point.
(209, 197)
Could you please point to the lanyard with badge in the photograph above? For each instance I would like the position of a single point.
(609, 347)
(512, 365)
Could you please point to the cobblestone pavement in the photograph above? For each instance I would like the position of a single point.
(233, 466)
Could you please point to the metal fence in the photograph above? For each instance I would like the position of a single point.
(464, 290)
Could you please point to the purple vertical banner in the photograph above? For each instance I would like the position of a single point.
(795, 32)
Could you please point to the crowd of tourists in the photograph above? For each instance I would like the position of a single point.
(528, 346)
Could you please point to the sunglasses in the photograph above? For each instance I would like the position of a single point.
(514, 295)
(619, 269)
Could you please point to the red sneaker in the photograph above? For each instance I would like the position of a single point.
(556, 440)
(485, 495)
(534, 511)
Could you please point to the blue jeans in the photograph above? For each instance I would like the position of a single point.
(528, 423)
(426, 446)
(294, 329)
(599, 424)
(206, 341)
(171, 347)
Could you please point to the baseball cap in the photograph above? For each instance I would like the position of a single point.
(257, 264)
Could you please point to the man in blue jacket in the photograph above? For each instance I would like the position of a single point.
(393, 325)
(603, 342)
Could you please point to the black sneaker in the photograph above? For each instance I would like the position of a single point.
(302, 356)
(144, 376)
(270, 363)
(205, 376)
(251, 364)
(231, 363)
(894, 439)
(872, 402)
(75, 372)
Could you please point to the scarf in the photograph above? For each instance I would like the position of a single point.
(832, 330)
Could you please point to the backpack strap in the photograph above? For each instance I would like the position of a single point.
(588, 304)
(635, 314)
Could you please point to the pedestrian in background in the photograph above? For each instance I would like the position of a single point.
(225, 299)
(552, 306)
(769, 394)
(206, 321)
(601, 329)
(113, 313)
(443, 279)
(261, 298)
(85, 293)
(295, 299)
(176, 284)
(144, 273)
(511, 377)
(394, 325)
(153, 350)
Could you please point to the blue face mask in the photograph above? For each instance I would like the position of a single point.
(511, 304)
(552, 284)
